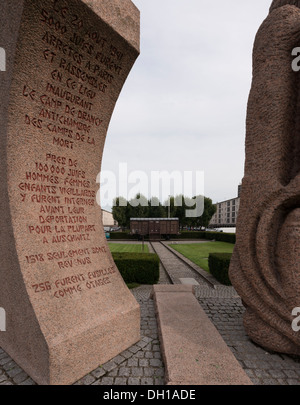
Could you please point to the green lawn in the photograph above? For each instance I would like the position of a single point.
(131, 286)
(198, 252)
(131, 247)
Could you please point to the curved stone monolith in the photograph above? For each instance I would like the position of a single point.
(67, 307)
(265, 268)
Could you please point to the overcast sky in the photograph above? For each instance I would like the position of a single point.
(183, 107)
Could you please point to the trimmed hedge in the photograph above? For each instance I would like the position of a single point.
(218, 236)
(126, 236)
(221, 237)
(122, 236)
(141, 268)
(219, 266)
(189, 235)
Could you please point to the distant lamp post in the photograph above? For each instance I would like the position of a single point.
(169, 208)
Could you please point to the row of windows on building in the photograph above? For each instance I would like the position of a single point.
(227, 212)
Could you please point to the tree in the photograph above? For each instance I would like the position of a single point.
(179, 209)
(120, 211)
(180, 204)
(156, 210)
(169, 207)
(209, 211)
(138, 207)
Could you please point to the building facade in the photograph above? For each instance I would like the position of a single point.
(227, 213)
(108, 219)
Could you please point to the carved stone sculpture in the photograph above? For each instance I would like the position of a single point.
(67, 307)
(265, 268)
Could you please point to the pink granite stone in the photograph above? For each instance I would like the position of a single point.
(194, 351)
(68, 308)
(265, 265)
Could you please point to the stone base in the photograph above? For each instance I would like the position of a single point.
(194, 351)
(69, 358)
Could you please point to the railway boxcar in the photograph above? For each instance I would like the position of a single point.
(155, 228)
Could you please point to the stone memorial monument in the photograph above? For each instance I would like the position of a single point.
(67, 307)
(265, 268)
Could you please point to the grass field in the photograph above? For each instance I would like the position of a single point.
(198, 252)
(131, 247)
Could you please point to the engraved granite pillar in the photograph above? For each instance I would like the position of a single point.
(265, 268)
(68, 309)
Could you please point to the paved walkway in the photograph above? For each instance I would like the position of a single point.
(142, 363)
(175, 268)
(263, 367)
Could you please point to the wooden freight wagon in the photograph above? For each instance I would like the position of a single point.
(155, 228)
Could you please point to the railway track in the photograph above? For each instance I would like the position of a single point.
(178, 268)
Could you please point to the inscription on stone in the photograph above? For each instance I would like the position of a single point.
(80, 65)
(69, 308)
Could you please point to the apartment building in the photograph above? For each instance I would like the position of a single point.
(227, 213)
(108, 219)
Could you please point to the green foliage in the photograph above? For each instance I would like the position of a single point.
(190, 204)
(131, 286)
(219, 266)
(221, 237)
(209, 210)
(217, 236)
(198, 252)
(132, 247)
(170, 207)
(140, 207)
(122, 236)
(141, 268)
(190, 235)
(156, 210)
(120, 211)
